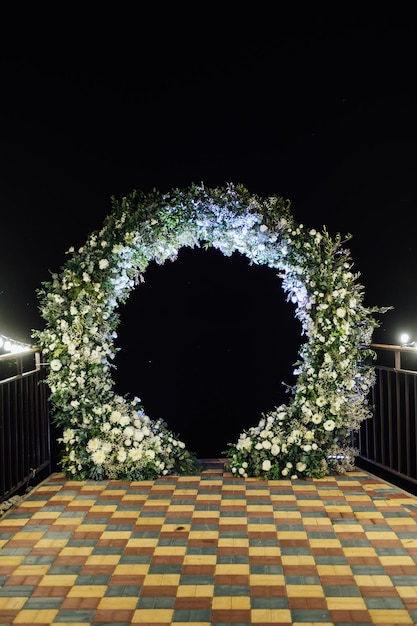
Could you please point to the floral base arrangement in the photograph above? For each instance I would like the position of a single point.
(108, 436)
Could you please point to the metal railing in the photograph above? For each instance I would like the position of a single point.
(388, 441)
(25, 450)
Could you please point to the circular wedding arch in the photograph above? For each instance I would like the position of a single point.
(106, 436)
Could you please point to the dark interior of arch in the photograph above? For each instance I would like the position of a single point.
(207, 342)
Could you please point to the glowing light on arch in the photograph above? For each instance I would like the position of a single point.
(108, 436)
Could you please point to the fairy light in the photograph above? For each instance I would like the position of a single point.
(11, 346)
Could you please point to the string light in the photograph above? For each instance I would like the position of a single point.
(11, 346)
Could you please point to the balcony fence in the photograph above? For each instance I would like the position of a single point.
(25, 441)
(387, 442)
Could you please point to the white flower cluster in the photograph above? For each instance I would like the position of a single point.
(105, 435)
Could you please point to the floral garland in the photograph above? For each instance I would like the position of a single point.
(108, 436)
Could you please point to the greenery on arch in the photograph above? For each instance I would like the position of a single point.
(105, 435)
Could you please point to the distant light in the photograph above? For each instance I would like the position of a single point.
(405, 338)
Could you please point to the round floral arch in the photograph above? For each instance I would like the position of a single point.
(105, 435)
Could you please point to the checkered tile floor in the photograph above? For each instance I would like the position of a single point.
(211, 549)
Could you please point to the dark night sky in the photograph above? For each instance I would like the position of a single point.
(315, 107)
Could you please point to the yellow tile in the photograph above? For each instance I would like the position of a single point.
(151, 502)
(231, 602)
(406, 591)
(266, 579)
(303, 487)
(396, 616)
(335, 603)
(186, 492)
(337, 508)
(282, 498)
(31, 570)
(87, 591)
(209, 496)
(396, 560)
(325, 543)
(368, 515)
(182, 508)
(401, 521)
(91, 528)
(271, 616)
(347, 528)
(236, 569)
(116, 534)
(115, 492)
(137, 498)
(6, 561)
(203, 534)
(383, 535)
(25, 536)
(305, 591)
(293, 559)
(291, 534)
(50, 515)
(57, 580)
(129, 569)
(195, 591)
(32, 504)
(309, 503)
(137, 542)
(262, 528)
(62, 498)
(18, 522)
(83, 503)
(334, 570)
(78, 551)
(12, 603)
(330, 492)
(211, 514)
(36, 616)
(67, 521)
(125, 514)
(103, 559)
(3, 541)
(318, 521)
(162, 580)
(109, 508)
(373, 581)
(287, 515)
(356, 498)
(243, 520)
(225, 503)
(118, 603)
(200, 559)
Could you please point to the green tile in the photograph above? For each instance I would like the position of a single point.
(311, 616)
(156, 602)
(269, 602)
(43, 603)
(192, 615)
(77, 615)
(123, 591)
(388, 603)
(243, 591)
(341, 591)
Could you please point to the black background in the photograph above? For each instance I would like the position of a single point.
(312, 104)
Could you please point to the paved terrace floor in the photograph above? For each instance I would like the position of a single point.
(211, 549)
